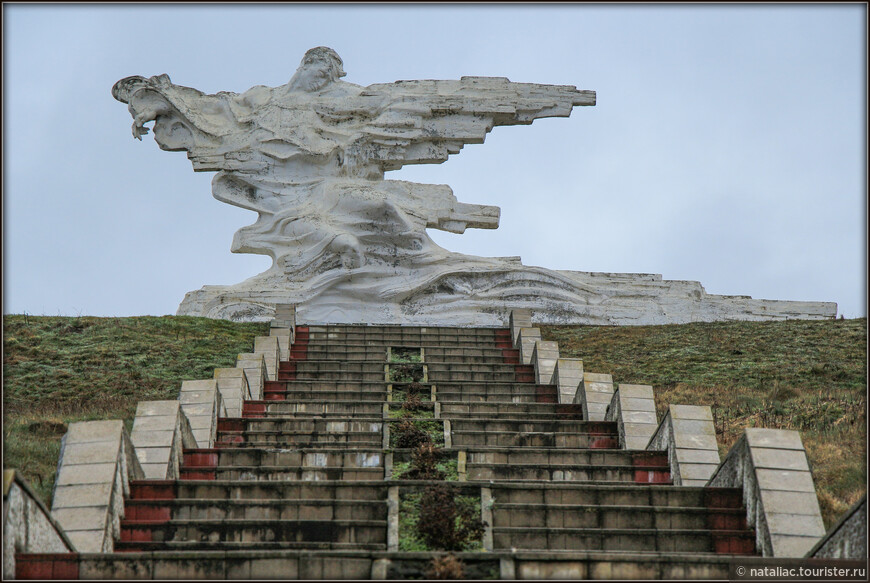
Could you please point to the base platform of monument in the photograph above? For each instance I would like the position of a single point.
(465, 293)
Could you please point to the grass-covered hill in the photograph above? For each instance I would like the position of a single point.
(809, 376)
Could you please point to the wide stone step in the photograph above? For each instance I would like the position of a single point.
(281, 464)
(651, 495)
(568, 473)
(587, 465)
(604, 428)
(514, 373)
(617, 517)
(264, 439)
(246, 546)
(257, 490)
(322, 408)
(737, 542)
(496, 393)
(558, 439)
(543, 411)
(407, 339)
(314, 564)
(205, 509)
(329, 424)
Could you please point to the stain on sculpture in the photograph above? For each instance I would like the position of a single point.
(310, 156)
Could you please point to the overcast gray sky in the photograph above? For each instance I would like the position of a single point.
(728, 145)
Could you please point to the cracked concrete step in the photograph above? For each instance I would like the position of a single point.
(322, 408)
(545, 464)
(562, 493)
(539, 439)
(310, 432)
(737, 542)
(282, 464)
(257, 490)
(278, 509)
(543, 411)
(618, 517)
(496, 393)
(313, 564)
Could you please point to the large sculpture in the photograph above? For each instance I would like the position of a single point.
(346, 244)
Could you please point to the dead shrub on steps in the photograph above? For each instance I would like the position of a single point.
(424, 464)
(408, 435)
(446, 567)
(445, 521)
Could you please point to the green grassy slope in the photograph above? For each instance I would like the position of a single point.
(59, 370)
(809, 376)
(803, 375)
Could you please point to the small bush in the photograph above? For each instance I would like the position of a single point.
(446, 567)
(408, 435)
(424, 464)
(446, 522)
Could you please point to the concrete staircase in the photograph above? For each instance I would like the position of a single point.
(302, 484)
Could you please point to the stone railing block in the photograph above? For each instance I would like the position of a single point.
(97, 462)
(634, 410)
(268, 347)
(771, 467)
(285, 316)
(526, 339)
(519, 319)
(285, 339)
(688, 435)
(848, 538)
(594, 393)
(254, 366)
(160, 433)
(545, 354)
(28, 526)
(201, 402)
(567, 375)
(233, 386)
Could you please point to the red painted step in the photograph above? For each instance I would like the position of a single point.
(46, 566)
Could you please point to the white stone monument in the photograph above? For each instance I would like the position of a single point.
(349, 246)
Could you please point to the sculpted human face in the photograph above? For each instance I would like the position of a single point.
(313, 74)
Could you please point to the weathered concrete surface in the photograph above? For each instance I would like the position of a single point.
(526, 338)
(232, 383)
(545, 354)
(97, 462)
(848, 538)
(256, 374)
(688, 435)
(202, 405)
(160, 433)
(28, 526)
(771, 467)
(568, 375)
(633, 408)
(594, 394)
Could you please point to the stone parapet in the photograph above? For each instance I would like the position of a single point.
(567, 376)
(160, 433)
(268, 346)
(526, 338)
(545, 354)
(594, 394)
(516, 320)
(634, 410)
(688, 435)
(97, 462)
(28, 526)
(771, 467)
(254, 366)
(232, 383)
(201, 403)
(848, 538)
